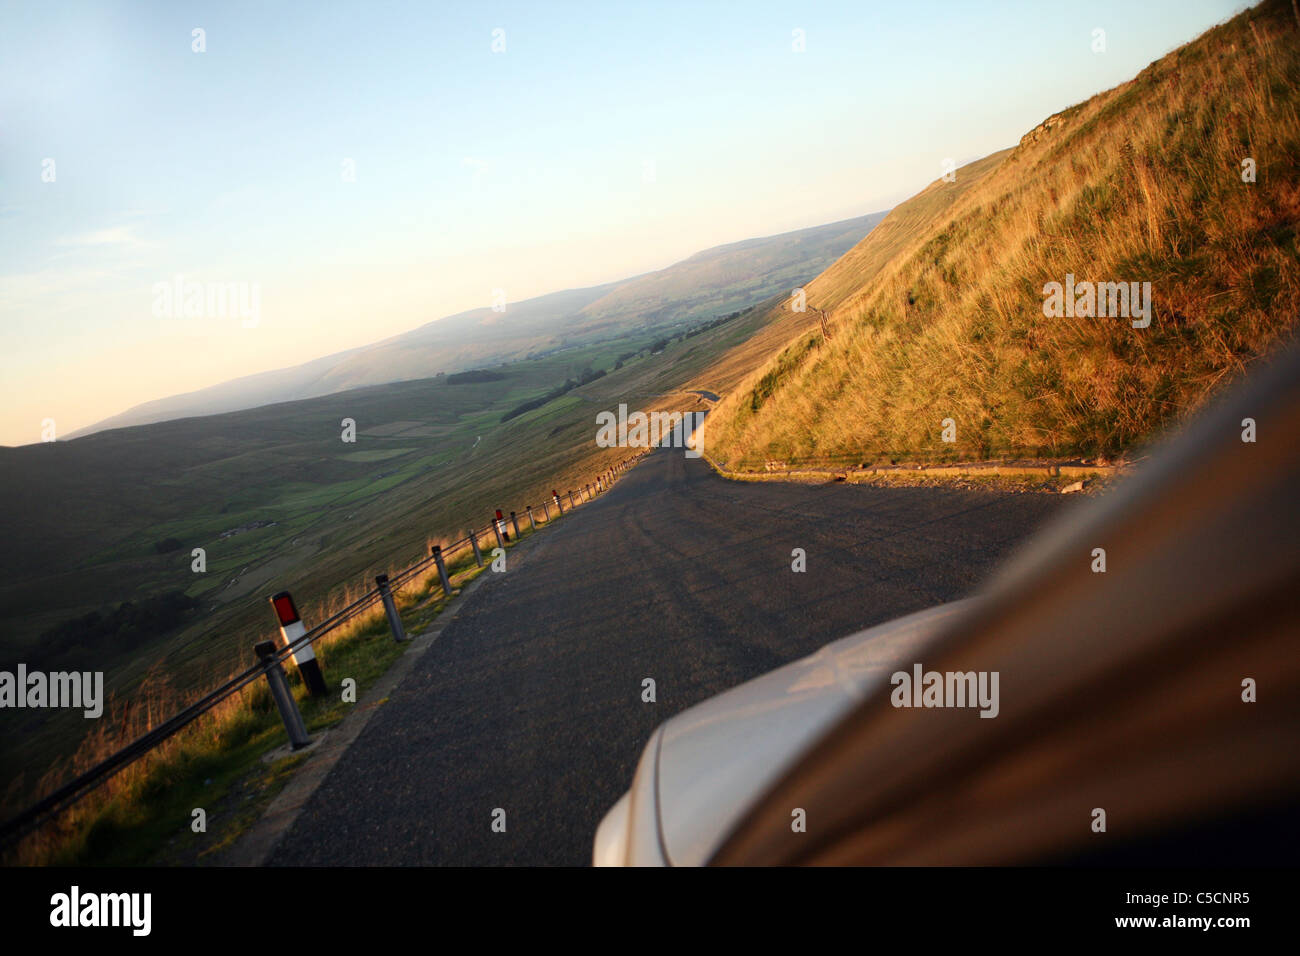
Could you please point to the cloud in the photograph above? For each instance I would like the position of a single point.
(113, 236)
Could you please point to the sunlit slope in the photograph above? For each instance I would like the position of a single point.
(892, 238)
(1142, 183)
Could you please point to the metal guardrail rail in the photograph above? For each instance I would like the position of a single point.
(268, 666)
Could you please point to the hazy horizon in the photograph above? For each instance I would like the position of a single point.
(471, 170)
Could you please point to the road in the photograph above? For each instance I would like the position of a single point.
(530, 701)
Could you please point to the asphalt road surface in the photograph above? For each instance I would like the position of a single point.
(530, 700)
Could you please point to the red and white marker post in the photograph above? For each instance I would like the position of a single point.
(292, 628)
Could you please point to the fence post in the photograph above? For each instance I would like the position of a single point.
(514, 520)
(532, 525)
(292, 628)
(570, 498)
(442, 570)
(546, 510)
(390, 608)
(473, 540)
(500, 526)
(558, 503)
(284, 701)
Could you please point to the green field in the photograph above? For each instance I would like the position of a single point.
(278, 500)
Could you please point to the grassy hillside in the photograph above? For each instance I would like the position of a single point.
(828, 290)
(939, 312)
(85, 518)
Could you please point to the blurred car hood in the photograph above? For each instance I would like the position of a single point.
(703, 768)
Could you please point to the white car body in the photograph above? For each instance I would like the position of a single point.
(703, 768)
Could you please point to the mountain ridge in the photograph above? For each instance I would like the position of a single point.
(714, 281)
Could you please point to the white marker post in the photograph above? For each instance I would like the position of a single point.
(292, 628)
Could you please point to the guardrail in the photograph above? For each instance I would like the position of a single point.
(826, 467)
(297, 641)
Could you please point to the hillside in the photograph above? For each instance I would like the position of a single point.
(277, 500)
(941, 311)
(715, 282)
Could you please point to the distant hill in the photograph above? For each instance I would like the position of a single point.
(710, 283)
(942, 311)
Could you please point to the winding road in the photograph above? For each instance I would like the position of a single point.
(530, 699)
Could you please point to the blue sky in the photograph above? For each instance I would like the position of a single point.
(525, 170)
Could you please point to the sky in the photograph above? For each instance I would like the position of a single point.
(356, 169)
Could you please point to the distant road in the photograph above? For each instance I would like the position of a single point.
(530, 699)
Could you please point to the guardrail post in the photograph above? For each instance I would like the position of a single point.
(442, 569)
(532, 525)
(514, 520)
(570, 499)
(473, 540)
(292, 628)
(500, 525)
(546, 510)
(283, 697)
(558, 503)
(390, 608)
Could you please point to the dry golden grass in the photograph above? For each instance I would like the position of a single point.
(120, 815)
(939, 312)
(216, 733)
